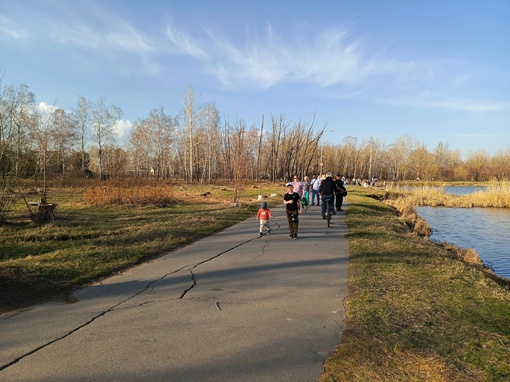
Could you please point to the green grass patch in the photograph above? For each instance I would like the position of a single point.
(87, 243)
(414, 311)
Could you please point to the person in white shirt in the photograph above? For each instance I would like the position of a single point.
(315, 183)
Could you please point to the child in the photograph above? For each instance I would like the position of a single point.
(292, 201)
(264, 214)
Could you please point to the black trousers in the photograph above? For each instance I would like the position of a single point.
(339, 200)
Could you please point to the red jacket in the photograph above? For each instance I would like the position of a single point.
(264, 214)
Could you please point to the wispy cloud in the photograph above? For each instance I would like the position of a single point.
(10, 30)
(470, 106)
(119, 35)
(452, 105)
(182, 42)
(328, 58)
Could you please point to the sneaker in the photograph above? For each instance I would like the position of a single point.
(260, 234)
(291, 236)
(295, 236)
(334, 212)
(324, 217)
(269, 232)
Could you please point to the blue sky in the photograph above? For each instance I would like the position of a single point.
(438, 71)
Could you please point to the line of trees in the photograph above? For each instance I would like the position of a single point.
(195, 145)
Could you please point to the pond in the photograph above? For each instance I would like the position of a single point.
(486, 230)
(462, 190)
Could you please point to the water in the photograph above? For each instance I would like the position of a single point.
(462, 190)
(486, 230)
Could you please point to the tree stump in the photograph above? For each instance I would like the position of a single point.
(45, 212)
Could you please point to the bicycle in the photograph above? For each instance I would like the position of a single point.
(328, 211)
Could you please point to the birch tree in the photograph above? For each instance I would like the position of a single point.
(82, 117)
(104, 119)
(63, 136)
(152, 141)
(189, 116)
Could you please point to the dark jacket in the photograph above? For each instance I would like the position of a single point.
(328, 187)
(340, 185)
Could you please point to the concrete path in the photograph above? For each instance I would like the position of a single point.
(232, 307)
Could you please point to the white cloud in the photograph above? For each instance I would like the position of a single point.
(9, 30)
(182, 42)
(329, 58)
(470, 106)
(76, 34)
(453, 105)
(122, 37)
(123, 128)
(46, 108)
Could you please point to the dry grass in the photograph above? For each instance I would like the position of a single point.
(102, 230)
(409, 217)
(159, 195)
(496, 194)
(416, 311)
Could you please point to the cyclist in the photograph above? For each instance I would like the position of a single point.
(327, 190)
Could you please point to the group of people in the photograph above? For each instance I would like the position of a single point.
(298, 194)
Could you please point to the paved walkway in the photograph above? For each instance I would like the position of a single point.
(232, 307)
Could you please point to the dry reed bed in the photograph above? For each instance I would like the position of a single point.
(496, 195)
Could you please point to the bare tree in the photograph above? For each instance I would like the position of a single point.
(399, 154)
(353, 153)
(115, 161)
(104, 119)
(279, 127)
(18, 119)
(499, 165)
(189, 124)
(212, 142)
(422, 164)
(151, 141)
(477, 164)
(63, 136)
(82, 117)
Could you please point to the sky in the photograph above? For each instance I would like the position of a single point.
(435, 70)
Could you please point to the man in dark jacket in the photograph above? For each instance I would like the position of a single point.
(327, 190)
(339, 194)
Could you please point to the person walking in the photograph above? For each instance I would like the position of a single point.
(298, 186)
(292, 202)
(315, 185)
(327, 190)
(305, 199)
(339, 195)
(263, 215)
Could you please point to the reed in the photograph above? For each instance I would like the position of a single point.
(496, 195)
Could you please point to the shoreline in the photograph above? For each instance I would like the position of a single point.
(417, 310)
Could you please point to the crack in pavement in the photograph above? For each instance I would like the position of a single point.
(103, 313)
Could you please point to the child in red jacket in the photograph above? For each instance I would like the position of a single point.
(264, 214)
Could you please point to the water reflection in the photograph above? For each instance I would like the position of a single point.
(462, 190)
(486, 230)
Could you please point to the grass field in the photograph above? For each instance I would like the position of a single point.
(103, 230)
(415, 311)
